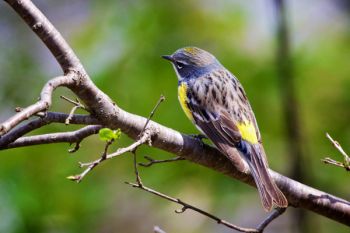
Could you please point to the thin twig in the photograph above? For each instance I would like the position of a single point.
(120, 151)
(338, 147)
(75, 148)
(145, 136)
(76, 104)
(186, 206)
(157, 229)
(275, 214)
(71, 113)
(152, 161)
(161, 99)
(137, 175)
(330, 161)
(92, 165)
(346, 159)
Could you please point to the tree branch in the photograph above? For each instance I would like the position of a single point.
(48, 118)
(346, 159)
(70, 137)
(152, 161)
(76, 106)
(91, 165)
(43, 28)
(99, 103)
(186, 206)
(144, 136)
(298, 194)
(157, 229)
(42, 105)
(275, 214)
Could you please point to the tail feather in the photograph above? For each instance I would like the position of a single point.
(270, 194)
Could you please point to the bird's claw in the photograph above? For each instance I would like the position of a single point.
(199, 137)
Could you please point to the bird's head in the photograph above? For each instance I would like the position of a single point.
(191, 62)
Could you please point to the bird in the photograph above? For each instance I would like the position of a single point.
(215, 101)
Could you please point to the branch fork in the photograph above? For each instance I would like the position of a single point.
(76, 106)
(346, 159)
(145, 136)
(41, 106)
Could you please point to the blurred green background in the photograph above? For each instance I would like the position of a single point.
(120, 43)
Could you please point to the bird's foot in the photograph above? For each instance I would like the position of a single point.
(199, 137)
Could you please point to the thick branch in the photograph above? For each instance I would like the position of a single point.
(54, 41)
(100, 104)
(298, 194)
(70, 137)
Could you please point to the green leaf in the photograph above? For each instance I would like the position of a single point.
(106, 134)
(117, 133)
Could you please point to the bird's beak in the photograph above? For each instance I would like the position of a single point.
(168, 57)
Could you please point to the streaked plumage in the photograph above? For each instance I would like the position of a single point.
(215, 101)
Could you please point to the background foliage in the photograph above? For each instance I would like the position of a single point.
(120, 43)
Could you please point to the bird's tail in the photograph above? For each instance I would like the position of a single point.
(270, 194)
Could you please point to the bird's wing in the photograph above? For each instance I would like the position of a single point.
(249, 110)
(218, 127)
(228, 132)
(232, 125)
(215, 117)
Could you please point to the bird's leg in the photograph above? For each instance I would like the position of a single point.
(199, 137)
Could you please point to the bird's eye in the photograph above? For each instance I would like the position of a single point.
(179, 65)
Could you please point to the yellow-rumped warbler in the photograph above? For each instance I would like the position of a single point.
(216, 103)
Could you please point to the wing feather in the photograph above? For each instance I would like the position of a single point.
(221, 130)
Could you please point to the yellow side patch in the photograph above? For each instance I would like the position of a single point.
(248, 131)
(182, 94)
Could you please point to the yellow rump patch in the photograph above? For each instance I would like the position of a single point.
(182, 94)
(248, 132)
